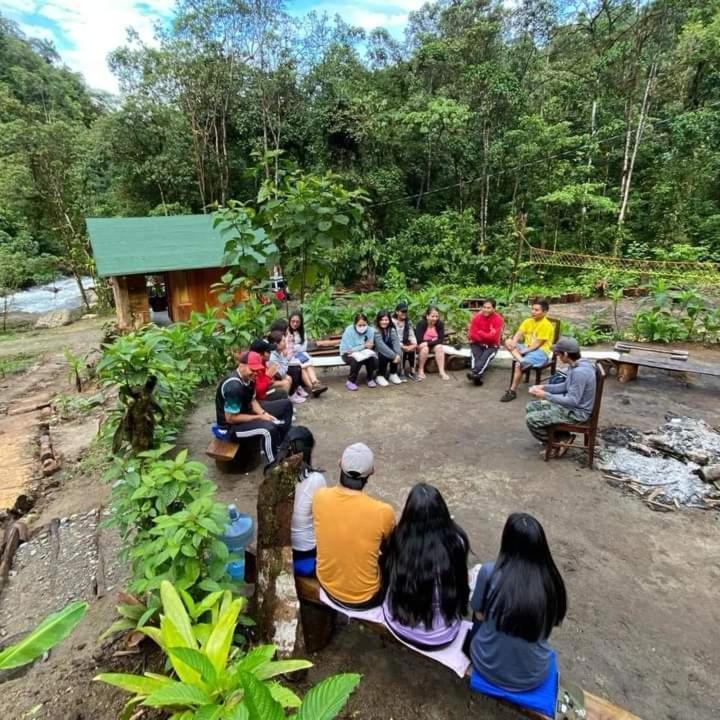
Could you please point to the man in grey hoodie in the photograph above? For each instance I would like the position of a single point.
(563, 402)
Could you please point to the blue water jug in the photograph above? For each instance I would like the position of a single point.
(238, 534)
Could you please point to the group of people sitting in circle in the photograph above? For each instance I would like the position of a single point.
(277, 372)
(416, 569)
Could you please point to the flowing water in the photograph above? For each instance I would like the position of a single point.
(63, 294)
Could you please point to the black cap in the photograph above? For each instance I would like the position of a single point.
(262, 346)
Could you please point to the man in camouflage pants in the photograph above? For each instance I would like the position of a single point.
(570, 401)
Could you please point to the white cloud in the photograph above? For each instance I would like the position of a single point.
(87, 30)
(92, 29)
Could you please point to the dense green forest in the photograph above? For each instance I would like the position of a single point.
(598, 122)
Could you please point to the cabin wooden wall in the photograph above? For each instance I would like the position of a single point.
(132, 306)
(189, 290)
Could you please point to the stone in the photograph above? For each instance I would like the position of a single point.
(53, 319)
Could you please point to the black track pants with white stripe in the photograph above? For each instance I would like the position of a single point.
(270, 434)
(481, 357)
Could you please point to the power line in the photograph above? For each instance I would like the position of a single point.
(498, 173)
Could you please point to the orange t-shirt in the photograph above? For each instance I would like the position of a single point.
(349, 529)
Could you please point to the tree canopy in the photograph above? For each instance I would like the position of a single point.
(598, 122)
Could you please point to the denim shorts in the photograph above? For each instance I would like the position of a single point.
(535, 358)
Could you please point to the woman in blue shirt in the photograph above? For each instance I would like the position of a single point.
(356, 350)
(517, 600)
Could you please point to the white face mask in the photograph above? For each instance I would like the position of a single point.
(360, 329)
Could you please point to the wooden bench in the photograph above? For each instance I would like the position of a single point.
(308, 591)
(587, 429)
(222, 451)
(632, 357)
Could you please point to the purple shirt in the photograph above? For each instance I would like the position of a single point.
(439, 634)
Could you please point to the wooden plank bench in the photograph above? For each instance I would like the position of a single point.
(308, 591)
(630, 358)
(222, 451)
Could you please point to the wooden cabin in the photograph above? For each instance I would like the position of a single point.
(183, 253)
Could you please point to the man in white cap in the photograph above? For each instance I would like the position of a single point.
(350, 529)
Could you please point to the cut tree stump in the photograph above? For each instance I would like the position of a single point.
(277, 608)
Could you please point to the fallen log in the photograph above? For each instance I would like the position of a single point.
(14, 535)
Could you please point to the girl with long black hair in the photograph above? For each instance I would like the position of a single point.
(387, 346)
(517, 600)
(297, 347)
(356, 350)
(302, 531)
(425, 572)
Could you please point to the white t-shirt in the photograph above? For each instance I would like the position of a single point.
(302, 530)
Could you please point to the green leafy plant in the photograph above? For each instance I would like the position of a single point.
(76, 369)
(169, 521)
(212, 678)
(73, 406)
(51, 631)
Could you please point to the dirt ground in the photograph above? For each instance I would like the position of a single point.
(643, 627)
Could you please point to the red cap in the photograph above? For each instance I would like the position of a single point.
(252, 359)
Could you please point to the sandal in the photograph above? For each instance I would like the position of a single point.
(420, 376)
(444, 376)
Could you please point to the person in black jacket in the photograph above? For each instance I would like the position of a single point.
(430, 334)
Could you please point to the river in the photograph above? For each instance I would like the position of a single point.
(63, 294)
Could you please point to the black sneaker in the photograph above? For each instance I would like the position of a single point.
(412, 375)
(508, 396)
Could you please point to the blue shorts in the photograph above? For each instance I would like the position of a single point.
(535, 358)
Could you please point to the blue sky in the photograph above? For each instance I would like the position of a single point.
(85, 31)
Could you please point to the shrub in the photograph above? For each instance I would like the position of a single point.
(215, 679)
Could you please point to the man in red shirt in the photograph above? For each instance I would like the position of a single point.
(484, 333)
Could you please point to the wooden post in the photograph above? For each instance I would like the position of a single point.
(277, 608)
(520, 221)
(121, 297)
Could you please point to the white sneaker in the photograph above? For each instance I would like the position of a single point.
(381, 381)
(394, 379)
(297, 399)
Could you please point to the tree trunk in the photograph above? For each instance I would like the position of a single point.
(638, 138)
(277, 608)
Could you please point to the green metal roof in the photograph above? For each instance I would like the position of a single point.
(143, 245)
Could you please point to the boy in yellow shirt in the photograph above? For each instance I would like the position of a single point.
(531, 345)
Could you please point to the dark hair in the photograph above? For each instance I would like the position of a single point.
(491, 301)
(573, 356)
(401, 307)
(360, 316)
(298, 440)
(525, 593)
(352, 481)
(544, 304)
(430, 309)
(301, 328)
(380, 316)
(281, 325)
(426, 561)
(276, 336)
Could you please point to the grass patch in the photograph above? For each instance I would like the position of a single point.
(14, 364)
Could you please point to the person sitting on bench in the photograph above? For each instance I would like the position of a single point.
(310, 480)
(356, 350)
(430, 333)
(425, 572)
(484, 334)
(408, 341)
(266, 387)
(297, 345)
(350, 528)
(387, 346)
(280, 359)
(536, 334)
(564, 402)
(517, 602)
(241, 415)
